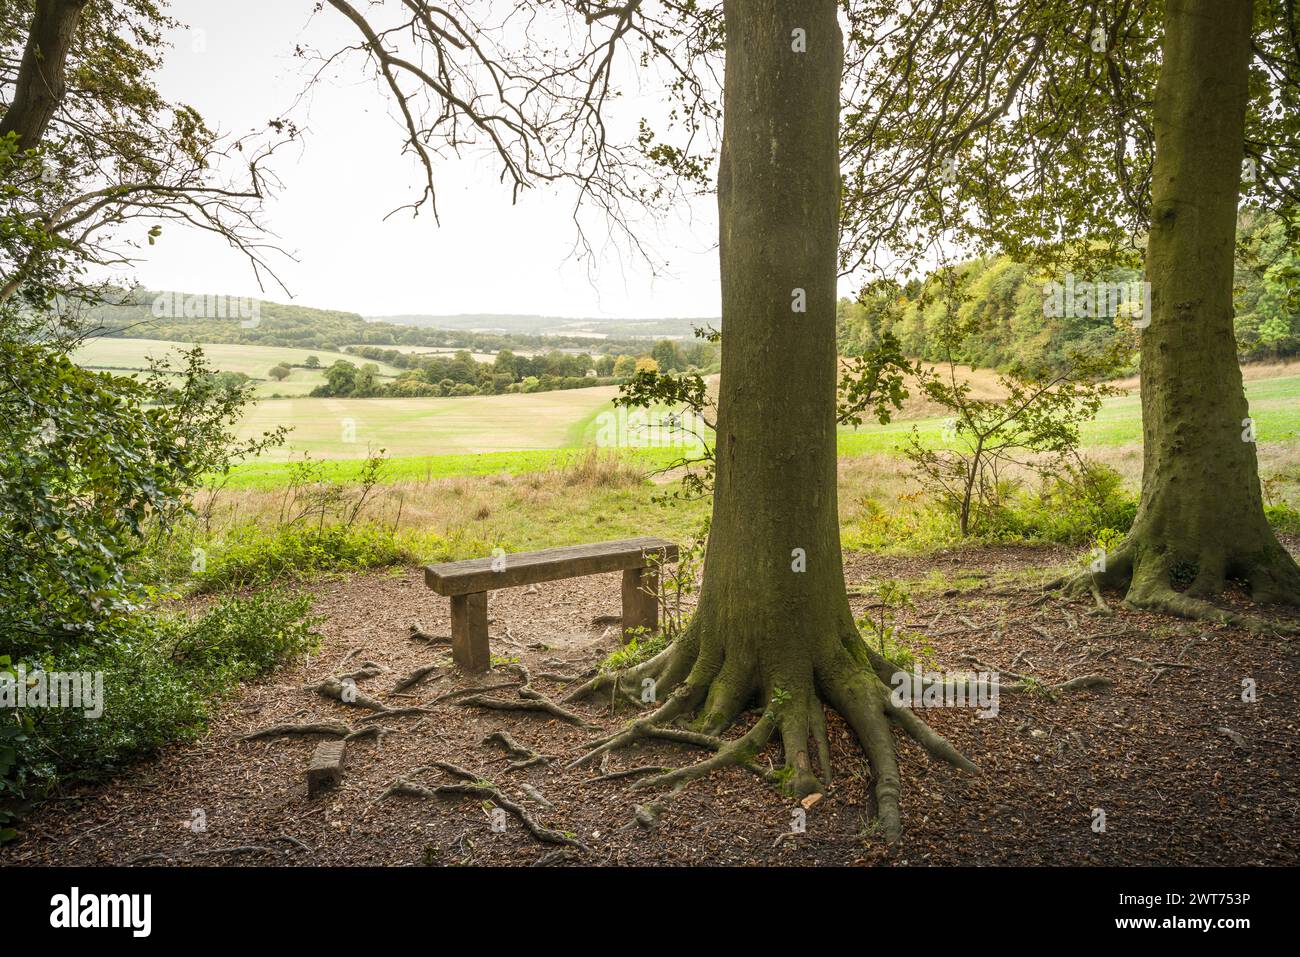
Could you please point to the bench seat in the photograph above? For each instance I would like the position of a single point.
(467, 583)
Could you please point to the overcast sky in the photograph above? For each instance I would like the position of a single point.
(235, 65)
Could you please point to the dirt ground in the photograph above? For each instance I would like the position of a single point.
(1185, 771)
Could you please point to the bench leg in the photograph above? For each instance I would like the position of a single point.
(469, 632)
(640, 601)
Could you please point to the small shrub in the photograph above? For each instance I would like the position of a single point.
(256, 556)
(639, 648)
(1283, 518)
(161, 676)
(913, 523)
(1073, 506)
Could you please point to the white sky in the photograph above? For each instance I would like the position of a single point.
(235, 65)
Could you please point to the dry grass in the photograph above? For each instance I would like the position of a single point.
(598, 495)
(1250, 372)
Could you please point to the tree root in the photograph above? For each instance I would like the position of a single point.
(374, 731)
(338, 728)
(544, 705)
(347, 694)
(1170, 602)
(714, 684)
(368, 669)
(525, 757)
(417, 633)
(414, 678)
(560, 856)
(624, 685)
(1028, 683)
(530, 699)
(651, 725)
(739, 753)
(536, 796)
(1147, 576)
(473, 785)
(221, 851)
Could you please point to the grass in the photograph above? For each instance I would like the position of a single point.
(590, 496)
(513, 434)
(1274, 405)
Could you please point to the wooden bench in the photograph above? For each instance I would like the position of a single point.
(467, 584)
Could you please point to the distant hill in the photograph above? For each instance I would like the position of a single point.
(666, 328)
(188, 317)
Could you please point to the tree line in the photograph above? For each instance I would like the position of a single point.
(1005, 309)
(460, 374)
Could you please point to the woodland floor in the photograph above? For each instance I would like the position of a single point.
(1150, 751)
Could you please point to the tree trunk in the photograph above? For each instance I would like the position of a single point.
(773, 625)
(40, 87)
(1201, 512)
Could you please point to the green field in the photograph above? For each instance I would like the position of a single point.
(1274, 405)
(475, 435)
(130, 355)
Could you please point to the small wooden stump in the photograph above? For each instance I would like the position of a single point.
(326, 768)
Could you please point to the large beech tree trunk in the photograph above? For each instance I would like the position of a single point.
(1201, 511)
(773, 625)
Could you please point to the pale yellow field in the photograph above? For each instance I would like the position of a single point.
(348, 428)
(122, 355)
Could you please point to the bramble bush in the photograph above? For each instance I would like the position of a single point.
(162, 675)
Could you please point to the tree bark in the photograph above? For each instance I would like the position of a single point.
(1201, 511)
(773, 625)
(40, 87)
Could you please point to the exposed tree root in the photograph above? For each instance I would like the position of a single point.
(473, 785)
(739, 753)
(625, 685)
(221, 851)
(543, 705)
(536, 796)
(414, 678)
(1146, 575)
(338, 728)
(714, 688)
(346, 693)
(417, 633)
(374, 731)
(559, 856)
(368, 669)
(525, 757)
(530, 699)
(1028, 683)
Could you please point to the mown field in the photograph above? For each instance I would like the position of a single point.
(347, 428)
(133, 355)
(512, 434)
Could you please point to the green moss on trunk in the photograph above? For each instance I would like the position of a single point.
(1201, 506)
